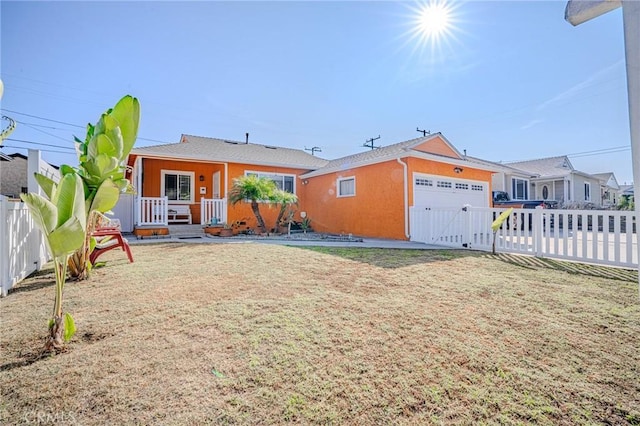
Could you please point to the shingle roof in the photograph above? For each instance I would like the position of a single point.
(371, 156)
(552, 166)
(212, 149)
(398, 150)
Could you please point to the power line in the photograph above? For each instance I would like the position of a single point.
(38, 143)
(46, 133)
(43, 150)
(67, 124)
(42, 118)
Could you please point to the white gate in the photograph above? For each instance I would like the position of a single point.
(123, 211)
(598, 236)
(22, 247)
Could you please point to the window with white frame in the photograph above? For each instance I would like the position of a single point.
(177, 186)
(346, 186)
(587, 191)
(282, 181)
(519, 189)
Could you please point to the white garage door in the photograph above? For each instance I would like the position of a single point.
(430, 191)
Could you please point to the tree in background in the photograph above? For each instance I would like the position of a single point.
(255, 189)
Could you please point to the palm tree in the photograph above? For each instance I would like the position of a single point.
(284, 199)
(254, 189)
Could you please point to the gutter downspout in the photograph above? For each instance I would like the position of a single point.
(406, 197)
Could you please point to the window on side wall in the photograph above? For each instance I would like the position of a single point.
(587, 191)
(519, 189)
(282, 181)
(177, 186)
(346, 186)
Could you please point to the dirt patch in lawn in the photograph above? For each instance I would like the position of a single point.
(261, 334)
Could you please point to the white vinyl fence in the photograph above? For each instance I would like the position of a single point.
(22, 247)
(595, 236)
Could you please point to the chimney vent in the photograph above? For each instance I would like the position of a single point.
(247, 142)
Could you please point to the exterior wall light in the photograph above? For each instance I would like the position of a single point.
(457, 169)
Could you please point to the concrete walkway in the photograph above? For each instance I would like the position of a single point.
(365, 243)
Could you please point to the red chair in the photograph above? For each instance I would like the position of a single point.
(109, 238)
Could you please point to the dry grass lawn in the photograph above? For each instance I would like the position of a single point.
(257, 334)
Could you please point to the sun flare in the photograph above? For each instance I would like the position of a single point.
(434, 19)
(433, 22)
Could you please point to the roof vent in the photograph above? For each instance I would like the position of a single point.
(232, 142)
(271, 147)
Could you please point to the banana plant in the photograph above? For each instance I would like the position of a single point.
(62, 220)
(495, 226)
(102, 157)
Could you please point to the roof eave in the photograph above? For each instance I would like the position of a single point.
(219, 160)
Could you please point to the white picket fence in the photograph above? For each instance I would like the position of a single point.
(595, 236)
(213, 208)
(22, 247)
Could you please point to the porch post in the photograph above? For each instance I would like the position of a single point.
(631, 22)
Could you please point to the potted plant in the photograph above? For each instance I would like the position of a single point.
(305, 224)
(227, 230)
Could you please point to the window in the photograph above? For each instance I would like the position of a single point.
(587, 191)
(177, 186)
(545, 192)
(464, 186)
(346, 187)
(423, 182)
(285, 182)
(443, 184)
(519, 189)
(477, 188)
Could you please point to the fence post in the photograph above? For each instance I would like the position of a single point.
(466, 226)
(537, 231)
(4, 247)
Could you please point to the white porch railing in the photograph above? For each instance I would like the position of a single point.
(22, 247)
(213, 208)
(597, 236)
(152, 211)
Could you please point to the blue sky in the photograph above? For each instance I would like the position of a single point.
(513, 80)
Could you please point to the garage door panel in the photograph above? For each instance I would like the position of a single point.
(430, 191)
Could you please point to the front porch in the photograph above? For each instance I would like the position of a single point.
(158, 213)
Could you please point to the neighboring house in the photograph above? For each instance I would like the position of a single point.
(609, 189)
(367, 194)
(626, 191)
(555, 178)
(14, 175)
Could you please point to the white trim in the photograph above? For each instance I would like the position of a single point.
(526, 188)
(192, 188)
(269, 174)
(343, 179)
(587, 188)
(216, 185)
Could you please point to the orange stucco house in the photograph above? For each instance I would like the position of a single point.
(367, 194)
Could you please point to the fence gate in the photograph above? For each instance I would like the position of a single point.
(445, 227)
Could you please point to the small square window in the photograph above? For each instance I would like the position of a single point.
(347, 187)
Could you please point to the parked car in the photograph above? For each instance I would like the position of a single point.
(502, 199)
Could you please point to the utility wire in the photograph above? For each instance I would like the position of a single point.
(46, 133)
(67, 124)
(43, 150)
(42, 118)
(38, 143)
